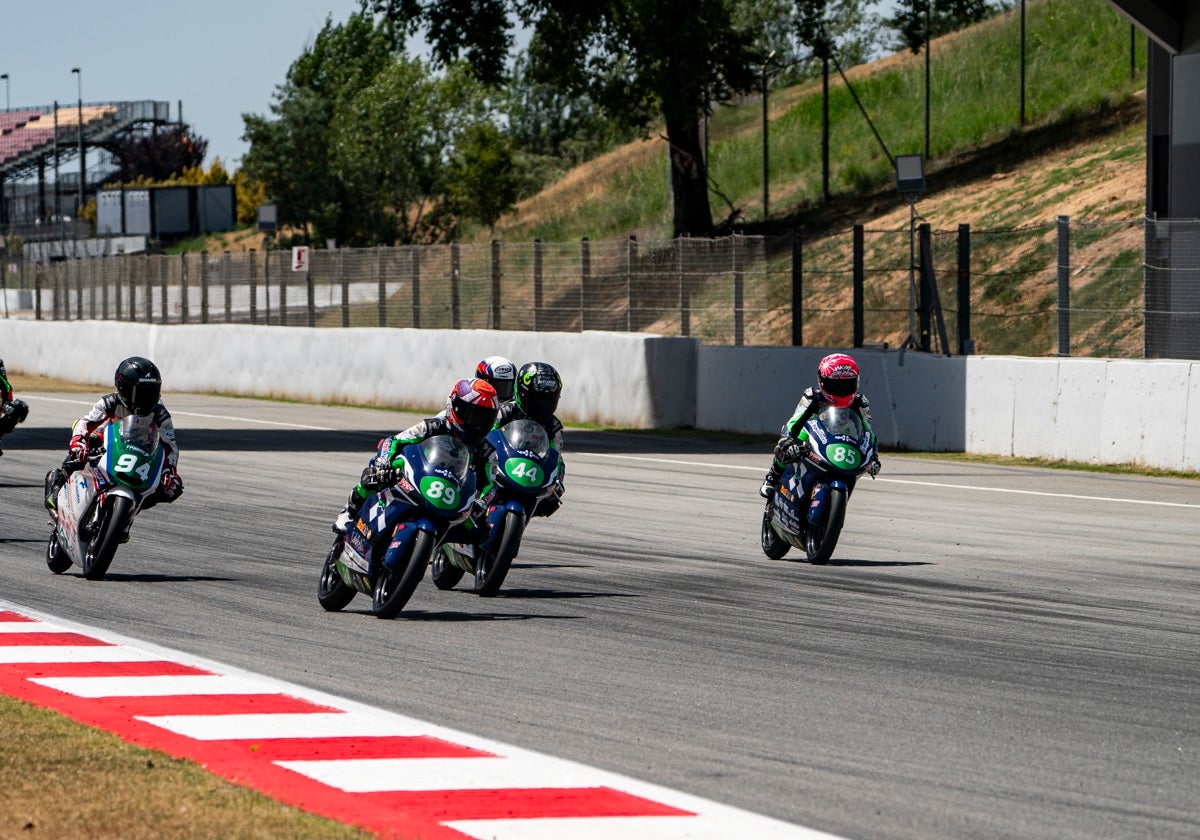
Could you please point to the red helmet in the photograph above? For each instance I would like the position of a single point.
(837, 375)
(472, 408)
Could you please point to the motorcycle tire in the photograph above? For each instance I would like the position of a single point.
(393, 588)
(57, 559)
(491, 567)
(332, 592)
(115, 519)
(772, 544)
(822, 539)
(445, 574)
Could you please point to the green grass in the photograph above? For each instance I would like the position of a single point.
(1077, 64)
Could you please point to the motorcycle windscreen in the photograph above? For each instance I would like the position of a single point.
(135, 456)
(842, 421)
(527, 436)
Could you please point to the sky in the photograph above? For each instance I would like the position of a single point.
(221, 58)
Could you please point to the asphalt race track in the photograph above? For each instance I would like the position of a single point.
(993, 651)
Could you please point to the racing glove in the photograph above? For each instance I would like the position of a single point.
(16, 411)
(789, 450)
(172, 484)
(873, 470)
(77, 452)
(378, 475)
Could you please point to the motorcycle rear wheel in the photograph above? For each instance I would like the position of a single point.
(491, 567)
(822, 539)
(444, 573)
(115, 518)
(393, 588)
(57, 559)
(332, 592)
(772, 545)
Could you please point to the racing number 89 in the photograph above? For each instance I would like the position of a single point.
(443, 491)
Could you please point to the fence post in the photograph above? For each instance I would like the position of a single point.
(416, 287)
(283, 304)
(739, 312)
(203, 288)
(79, 288)
(133, 284)
(630, 273)
(92, 287)
(311, 302)
(118, 292)
(966, 346)
(183, 289)
(163, 271)
(37, 293)
(859, 282)
(226, 271)
(382, 286)
(685, 300)
(496, 284)
(345, 281)
(585, 273)
(455, 282)
(797, 291)
(537, 285)
(104, 295)
(1064, 286)
(148, 282)
(932, 301)
(925, 301)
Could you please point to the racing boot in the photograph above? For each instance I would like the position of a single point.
(769, 481)
(349, 513)
(54, 482)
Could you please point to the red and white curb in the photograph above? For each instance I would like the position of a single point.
(391, 775)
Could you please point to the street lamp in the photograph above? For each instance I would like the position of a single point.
(82, 160)
(4, 76)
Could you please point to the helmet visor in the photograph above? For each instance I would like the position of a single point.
(540, 406)
(144, 397)
(475, 420)
(504, 388)
(843, 387)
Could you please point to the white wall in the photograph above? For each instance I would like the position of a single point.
(1090, 410)
(614, 379)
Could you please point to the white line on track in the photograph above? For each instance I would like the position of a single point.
(976, 487)
(198, 414)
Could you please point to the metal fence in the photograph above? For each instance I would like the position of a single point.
(1123, 289)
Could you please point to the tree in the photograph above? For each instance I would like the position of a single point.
(484, 180)
(159, 155)
(945, 16)
(639, 60)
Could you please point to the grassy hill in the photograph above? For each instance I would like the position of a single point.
(1079, 86)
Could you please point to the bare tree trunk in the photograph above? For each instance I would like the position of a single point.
(689, 184)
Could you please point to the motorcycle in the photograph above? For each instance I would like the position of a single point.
(524, 469)
(809, 508)
(398, 530)
(97, 503)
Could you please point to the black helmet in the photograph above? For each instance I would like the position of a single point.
(139, 384)
(538, 389)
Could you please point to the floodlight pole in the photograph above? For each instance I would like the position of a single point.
(82, 160)
(7, 106)
(766, 184)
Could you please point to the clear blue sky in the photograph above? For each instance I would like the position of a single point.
(221, 58)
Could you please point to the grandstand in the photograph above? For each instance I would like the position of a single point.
(40, 163)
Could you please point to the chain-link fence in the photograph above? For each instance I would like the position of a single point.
(1124, 289)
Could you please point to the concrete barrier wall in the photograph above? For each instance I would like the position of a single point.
(612, 378)
(1089, 410)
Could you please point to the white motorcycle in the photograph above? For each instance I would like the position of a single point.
(96, 505)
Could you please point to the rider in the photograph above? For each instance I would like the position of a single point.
(12, 410)
(837, 386)
(139, 385)
(470, 415)
(536, 398)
